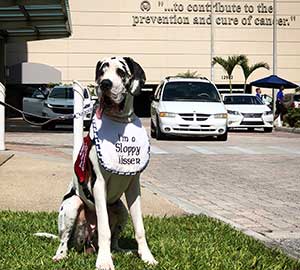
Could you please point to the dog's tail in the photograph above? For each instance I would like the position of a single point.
(46, 235)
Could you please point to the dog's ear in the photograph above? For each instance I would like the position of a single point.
(138, 76)
(98, 70)
(98, 66)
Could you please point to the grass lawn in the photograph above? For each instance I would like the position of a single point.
(189, 242)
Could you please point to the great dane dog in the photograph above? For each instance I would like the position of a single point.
(92, 215)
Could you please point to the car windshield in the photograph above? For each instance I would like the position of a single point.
(190, 91)
(65, 92)
(62, 92)
(242, 100)
(297, 98)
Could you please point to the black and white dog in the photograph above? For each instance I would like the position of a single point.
(92, 215)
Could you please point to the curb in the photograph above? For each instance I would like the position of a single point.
(288, 129)
(5, 156)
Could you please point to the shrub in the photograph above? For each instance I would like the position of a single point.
(188, 74)
(293, 117)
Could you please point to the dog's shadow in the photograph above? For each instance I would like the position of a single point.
(128, 244)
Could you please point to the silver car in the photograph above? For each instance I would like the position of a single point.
(60, 101)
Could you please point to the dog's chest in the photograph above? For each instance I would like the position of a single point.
(122, 148)
(116, 185)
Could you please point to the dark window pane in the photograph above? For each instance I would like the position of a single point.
(190, 91)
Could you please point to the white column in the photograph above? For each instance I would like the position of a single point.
(77, 122)
(2, 118)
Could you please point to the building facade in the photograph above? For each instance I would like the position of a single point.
(170, 37)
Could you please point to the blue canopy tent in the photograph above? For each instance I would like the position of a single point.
(273, 81)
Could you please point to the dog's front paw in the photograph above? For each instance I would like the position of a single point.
(104, 262)
(147, 257)
(58, 257)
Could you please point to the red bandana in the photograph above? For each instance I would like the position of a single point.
(81, 163)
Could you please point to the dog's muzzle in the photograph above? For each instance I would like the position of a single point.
(106, 85)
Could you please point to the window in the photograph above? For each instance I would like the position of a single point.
(246, 100)
(158, 92)
(37, 94)
(62, 92)
(190, 91)
(85, 93)
(65, 92)
(297, 98)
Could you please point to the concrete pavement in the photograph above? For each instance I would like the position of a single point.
(266, 208)
(251, 182)
(35, 178)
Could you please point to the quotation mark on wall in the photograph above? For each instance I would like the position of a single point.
(145, 6)
(160, 3)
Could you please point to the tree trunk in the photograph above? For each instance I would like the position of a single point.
(230, 85)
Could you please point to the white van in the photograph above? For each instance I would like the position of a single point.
(188, 107)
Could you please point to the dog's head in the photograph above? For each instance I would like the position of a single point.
(116, 77)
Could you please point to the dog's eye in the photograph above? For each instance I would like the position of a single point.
(121, 73)
(101, 72)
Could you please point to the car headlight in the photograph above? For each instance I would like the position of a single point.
(167, 114)
(49, 105)
(220, 115)
(233, 112)
(268, 112)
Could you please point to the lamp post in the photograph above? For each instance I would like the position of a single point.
(2, 93)
(2, 118)
(274, 38)
(212, 42)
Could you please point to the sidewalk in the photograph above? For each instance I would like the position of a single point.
(36, 178)
(288, 129)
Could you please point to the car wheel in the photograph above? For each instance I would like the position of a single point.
(223, 137)
(268, 129)
(159, 134)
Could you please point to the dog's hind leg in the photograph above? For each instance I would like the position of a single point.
(68, 213)
(118, 216)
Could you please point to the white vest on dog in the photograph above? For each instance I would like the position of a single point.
(122, 148)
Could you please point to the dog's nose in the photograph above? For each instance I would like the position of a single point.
(105, 85)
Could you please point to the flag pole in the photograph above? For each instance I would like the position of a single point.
(212, 41)
(274, 92)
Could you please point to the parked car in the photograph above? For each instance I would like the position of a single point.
(60, 101)
(188, 107)
(34, 105)
(248, 111)
(291, 100)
